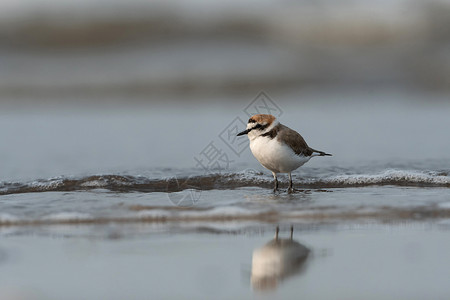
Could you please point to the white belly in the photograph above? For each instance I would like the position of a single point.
(275, 156)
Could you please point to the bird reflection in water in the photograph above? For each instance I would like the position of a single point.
(277, 260)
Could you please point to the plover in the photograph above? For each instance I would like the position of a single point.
(277, 260)
(277, 147)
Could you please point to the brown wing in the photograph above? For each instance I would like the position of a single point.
(294, 140)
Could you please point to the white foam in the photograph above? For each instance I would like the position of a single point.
(445, 205)
(444, 222)
(392, 175)
(50, 184)
(249, 174)
(94, 183)
(8, 218)
(221, 212)
(153, 213)
(227, 211)
(68, 216)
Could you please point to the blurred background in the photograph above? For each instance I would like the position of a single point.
(107, 74)
(101, 48)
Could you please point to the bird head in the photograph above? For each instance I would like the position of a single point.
(258, 124)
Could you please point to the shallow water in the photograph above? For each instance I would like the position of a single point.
(140, 162)
(224, 197)
(114, 194)
(345, 261)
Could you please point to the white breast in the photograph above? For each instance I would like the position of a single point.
(276, 156)
(276, 260)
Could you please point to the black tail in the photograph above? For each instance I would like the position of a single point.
(321, 153)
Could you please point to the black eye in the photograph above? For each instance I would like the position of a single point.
(257, 126)
(251, 120)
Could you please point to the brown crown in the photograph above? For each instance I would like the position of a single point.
(262, 119)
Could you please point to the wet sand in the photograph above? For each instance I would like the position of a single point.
(348, 261)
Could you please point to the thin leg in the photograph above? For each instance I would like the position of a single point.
(276, 233)
(290, 189)
(275, 189)
(292, 231)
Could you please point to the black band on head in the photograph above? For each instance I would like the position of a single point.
(260, 126)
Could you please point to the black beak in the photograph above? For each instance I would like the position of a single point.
(243, 132)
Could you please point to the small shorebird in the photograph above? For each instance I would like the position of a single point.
(277, 260)
(277, 147)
